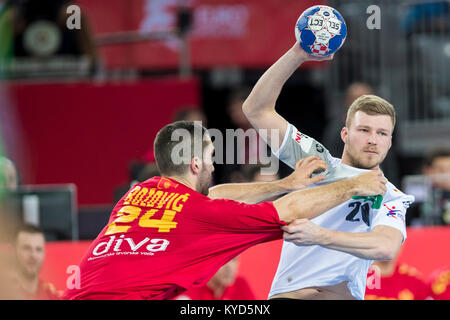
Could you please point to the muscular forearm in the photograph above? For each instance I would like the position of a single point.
(248, 192)
(312, 202)
(259, 191)
(366, 245)
(382, 243)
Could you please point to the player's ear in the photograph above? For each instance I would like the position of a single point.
(196, 165)
(344, 134)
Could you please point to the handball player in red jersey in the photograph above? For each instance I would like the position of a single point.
(172, 233)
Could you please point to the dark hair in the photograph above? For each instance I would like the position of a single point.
(436, 152)
(166, 141)
(28, 228)
(183, 113)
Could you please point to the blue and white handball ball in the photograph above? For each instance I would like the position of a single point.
(320, 31)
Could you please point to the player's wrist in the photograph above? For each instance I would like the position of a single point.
(349, 187)
(285, 185)
(325, 237)
(299, 54)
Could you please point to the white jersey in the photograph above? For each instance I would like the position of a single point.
(312, 266)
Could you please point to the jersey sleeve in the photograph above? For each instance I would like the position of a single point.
(225, 215)
(297, 145)
(392, 213)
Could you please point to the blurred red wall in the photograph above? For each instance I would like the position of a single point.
(87, 132)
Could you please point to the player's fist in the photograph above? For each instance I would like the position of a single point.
(370, 183)
(303, 232)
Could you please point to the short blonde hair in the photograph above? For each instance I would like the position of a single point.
(372, 105)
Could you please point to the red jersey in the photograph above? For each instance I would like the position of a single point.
(163, 237)
(239, 290)
(404, 284)
(45, 291)
(440, 284)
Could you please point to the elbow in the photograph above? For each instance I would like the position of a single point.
(250, 109)
(213, 193)
(386, 252)
(247, 108)
(295, 212)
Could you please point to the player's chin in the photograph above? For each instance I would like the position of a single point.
(369, 163)
(372, 164)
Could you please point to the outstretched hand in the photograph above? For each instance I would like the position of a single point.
(371, 183)
(304, 168)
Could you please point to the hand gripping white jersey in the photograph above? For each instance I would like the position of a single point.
(312, 266)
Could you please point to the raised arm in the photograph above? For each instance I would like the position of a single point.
(259, 107)
(259, 191)
(314, 201)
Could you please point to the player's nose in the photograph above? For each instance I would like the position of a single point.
(372, 139)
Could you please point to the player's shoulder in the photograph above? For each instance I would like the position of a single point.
(392, 190)
(393, 194)
(333, 161)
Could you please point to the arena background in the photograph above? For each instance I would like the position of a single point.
(80, 108)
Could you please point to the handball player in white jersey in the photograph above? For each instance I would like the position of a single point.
(328, 257)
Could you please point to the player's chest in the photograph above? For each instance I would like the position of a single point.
(355, 215)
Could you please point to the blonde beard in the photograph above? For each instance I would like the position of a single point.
(357, 163)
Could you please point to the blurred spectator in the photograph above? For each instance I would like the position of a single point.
(332, 132)
(10, 212)
(440, 284)
(234, 108)
(8, 287)
(29, 252)
(191, 114)
(9, 176)
(246, 144)
(255, 173)
(139, 172)
(331, 136)
(427, 17)
(388, 280)
(224, 285)
(437, 168)
(6, 33)
(248, 152)
(235, 176)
